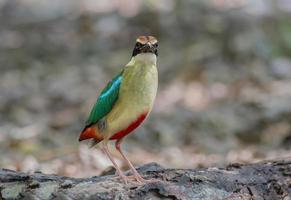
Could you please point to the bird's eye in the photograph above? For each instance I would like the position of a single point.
(156, 45)
(138, 45)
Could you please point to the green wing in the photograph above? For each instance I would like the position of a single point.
(105, 101)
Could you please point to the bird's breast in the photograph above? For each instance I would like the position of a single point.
(139, 87)
(136, 97)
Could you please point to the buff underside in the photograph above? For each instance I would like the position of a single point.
(136, 95)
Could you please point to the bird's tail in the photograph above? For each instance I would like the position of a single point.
(91, 132)
(93, 143)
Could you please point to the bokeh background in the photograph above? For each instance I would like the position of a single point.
(224, 91)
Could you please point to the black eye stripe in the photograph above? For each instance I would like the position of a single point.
(138, 48)
(138, 44)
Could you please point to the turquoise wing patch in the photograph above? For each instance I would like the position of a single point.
(105, 101)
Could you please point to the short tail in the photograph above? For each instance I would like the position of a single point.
(94, 142)
(90, 133)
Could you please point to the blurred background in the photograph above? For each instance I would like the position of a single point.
(224, 90)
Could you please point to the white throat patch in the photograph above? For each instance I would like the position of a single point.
(148, 58)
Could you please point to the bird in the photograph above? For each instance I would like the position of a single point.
(125, 103)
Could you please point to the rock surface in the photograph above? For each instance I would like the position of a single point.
(265, 180)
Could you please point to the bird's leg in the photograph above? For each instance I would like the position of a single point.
(120, 173)
(136, 175)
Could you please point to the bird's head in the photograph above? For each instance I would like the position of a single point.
(145, 44)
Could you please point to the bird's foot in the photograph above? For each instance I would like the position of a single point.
(141, 181)
(125, 179)
(147, 181)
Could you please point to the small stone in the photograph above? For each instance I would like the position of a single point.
(66, 184)
(33, 185)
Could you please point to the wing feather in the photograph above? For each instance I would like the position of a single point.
(105, 101)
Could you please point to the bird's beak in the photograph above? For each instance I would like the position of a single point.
(147, 48)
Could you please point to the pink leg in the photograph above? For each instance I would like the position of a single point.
(136, 175)
(120, 173)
